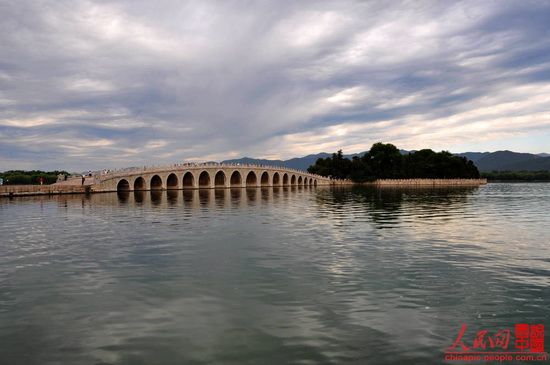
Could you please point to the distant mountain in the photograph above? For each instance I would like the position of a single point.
(485, 161)
(298, 163)
(536, 164)
(301, 163)
(258, 161)
(502, 160)
(473, 156)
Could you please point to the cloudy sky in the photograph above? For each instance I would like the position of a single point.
(105, 84)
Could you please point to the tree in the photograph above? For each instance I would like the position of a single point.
(384, 161)
(20, 177)
(336, 166)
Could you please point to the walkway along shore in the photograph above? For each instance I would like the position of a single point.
(28, 190)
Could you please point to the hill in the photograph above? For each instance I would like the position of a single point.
(473, 156)
(504, 160)
(485, 161)
(538, 164)
(298, 163)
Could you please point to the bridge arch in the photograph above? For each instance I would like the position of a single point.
(305, 181)
(251, 179)
(123, 185)
(188, 180)
(285, 179)
(219, 179)
(236, 179)
(293, 180)
(276, 179)
(139, 184)
(204, 179)
(172, 181)
(315, 182)
(264, 179)
(299, 180)
(156, 183)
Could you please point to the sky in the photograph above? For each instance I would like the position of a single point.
(109, 84)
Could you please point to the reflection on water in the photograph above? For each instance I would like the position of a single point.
(204, 197)
(389, 206)
(275, 275)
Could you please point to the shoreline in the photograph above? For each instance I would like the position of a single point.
(430, 182)
(30, 190)
(33, 190)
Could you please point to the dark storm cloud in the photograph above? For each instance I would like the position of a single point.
(121, 83)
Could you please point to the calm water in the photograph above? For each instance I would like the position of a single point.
(269, 276)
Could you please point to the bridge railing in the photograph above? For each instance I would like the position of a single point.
(110, 174)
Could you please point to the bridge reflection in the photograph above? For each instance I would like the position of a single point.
(209, 198)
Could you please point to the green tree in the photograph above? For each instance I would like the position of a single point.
(385, 161)
(20, 177)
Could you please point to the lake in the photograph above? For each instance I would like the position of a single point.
(357, 275)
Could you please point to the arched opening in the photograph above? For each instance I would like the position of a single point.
(315, 182)
(276, 179)
(264, 180)
(123, 185)
(139, 184)
(204, 179)
(172, 182)
(293, 180)
(188, 180)
(285, 179)
(219, 179)
(251, 179)
(300, 180)
(305, 181)
(156, 183)
(236, 179)
(311, 182)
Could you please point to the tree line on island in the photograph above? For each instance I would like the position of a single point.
(384, 161)
(517, 175)
(20, 177)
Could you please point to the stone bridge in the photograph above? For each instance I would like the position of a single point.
(206, 176)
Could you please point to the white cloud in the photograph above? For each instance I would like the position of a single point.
(128, 82)
(89, 85)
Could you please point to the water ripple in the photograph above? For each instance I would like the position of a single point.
(279, 275)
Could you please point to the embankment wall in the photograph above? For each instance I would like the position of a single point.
(24, 190)
(430, 182)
